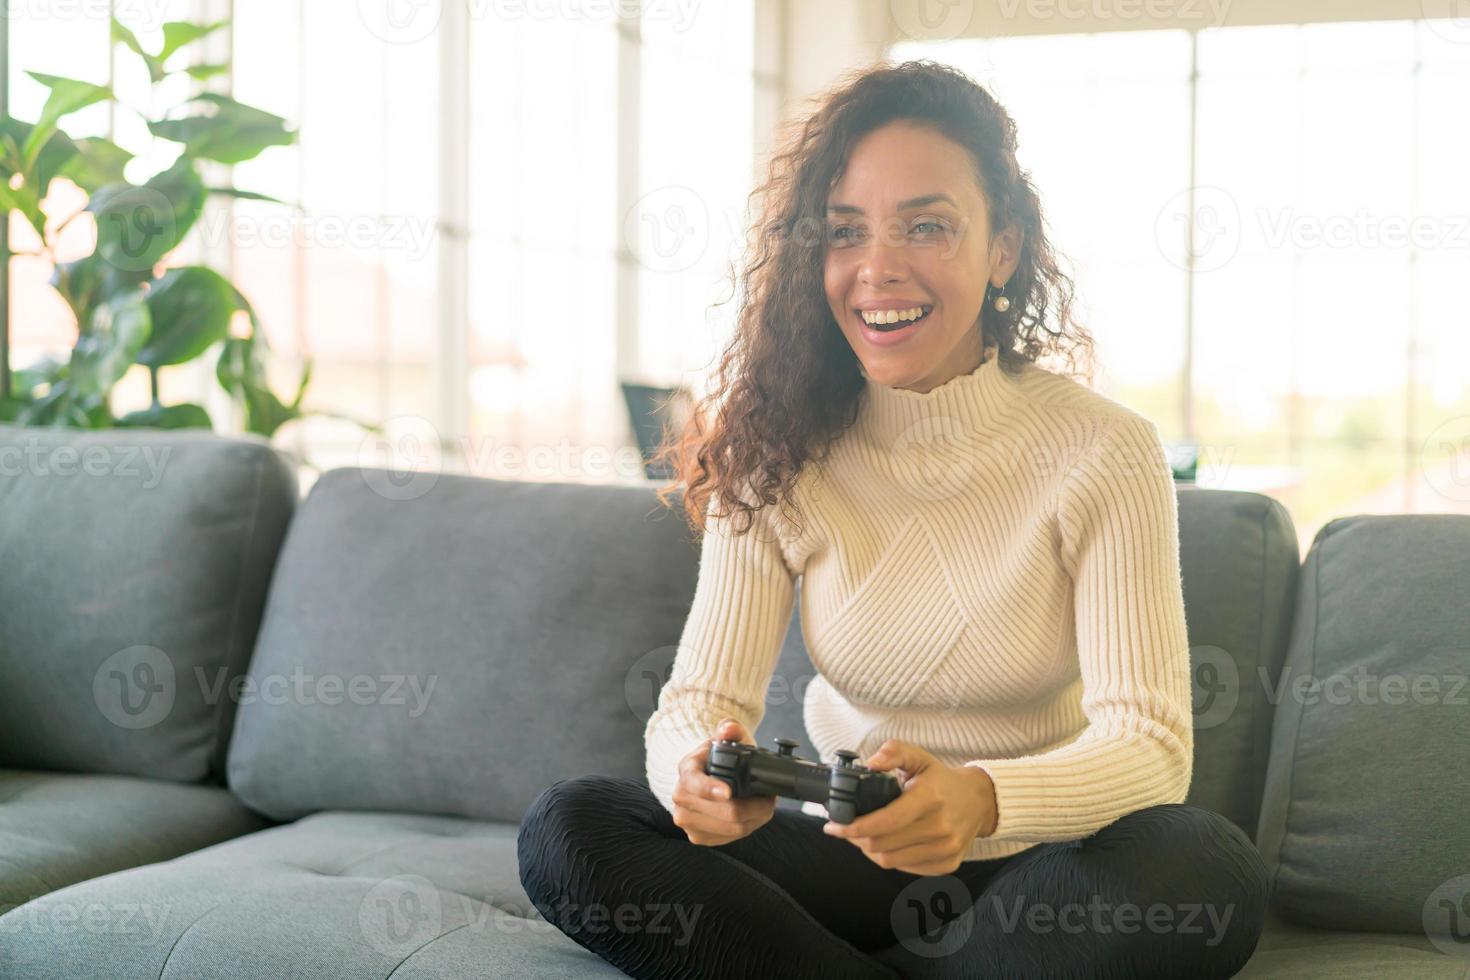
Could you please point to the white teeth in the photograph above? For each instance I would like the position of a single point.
(892, 316)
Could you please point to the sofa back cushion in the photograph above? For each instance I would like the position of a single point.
(455, 649)
(135, 567)
(1239, 560)
(1363, 817)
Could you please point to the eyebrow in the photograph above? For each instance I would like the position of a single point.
(913, 202)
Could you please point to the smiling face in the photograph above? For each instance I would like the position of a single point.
(908, 229)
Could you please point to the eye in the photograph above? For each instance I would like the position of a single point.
(932, 224)
(841, 233)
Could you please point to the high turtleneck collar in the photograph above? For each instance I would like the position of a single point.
(973, 399)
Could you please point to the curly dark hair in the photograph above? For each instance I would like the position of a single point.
(788, 382)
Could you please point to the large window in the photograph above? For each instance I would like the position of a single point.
(1271, 233)
(495, 213)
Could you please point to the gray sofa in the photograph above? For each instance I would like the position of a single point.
(246, 736)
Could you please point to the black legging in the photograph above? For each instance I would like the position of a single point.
(1167, 891)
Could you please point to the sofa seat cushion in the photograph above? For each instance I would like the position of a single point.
(335, 894)
(1291, 952)
(60, 828)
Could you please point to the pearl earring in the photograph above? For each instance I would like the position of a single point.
(1002, 303)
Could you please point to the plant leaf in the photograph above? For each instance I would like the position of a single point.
(109, 345)
(138, 225)
(203, 72)
(47, 371)
(190, 308)
(245, 195)
(186, 415)
(23, 199)
(177, 33)
(54, 156)
(228, 132)
(97, 162)
(122, 35)
(67, 96)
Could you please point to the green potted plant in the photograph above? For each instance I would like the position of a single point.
(129, 309)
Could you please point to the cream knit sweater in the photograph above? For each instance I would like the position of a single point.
(991, 571)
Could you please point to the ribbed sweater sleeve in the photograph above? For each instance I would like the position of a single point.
(1118, 520)
(728, 648)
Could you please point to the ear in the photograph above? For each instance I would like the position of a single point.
(1005, 254)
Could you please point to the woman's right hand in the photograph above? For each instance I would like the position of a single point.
(703, 808)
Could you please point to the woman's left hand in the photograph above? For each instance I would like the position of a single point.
(928, 829)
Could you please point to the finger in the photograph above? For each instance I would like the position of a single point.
(925, 831)
(696, 784)
(903, 811)
(932, 854)
(898, 754)
(719, 821)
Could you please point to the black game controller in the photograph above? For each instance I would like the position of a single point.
(848, 790)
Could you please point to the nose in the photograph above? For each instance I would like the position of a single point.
(882, 263)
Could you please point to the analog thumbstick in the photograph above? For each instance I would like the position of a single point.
(845, 757)
(786, 746)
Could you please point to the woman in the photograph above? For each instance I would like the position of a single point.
(991, 597)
